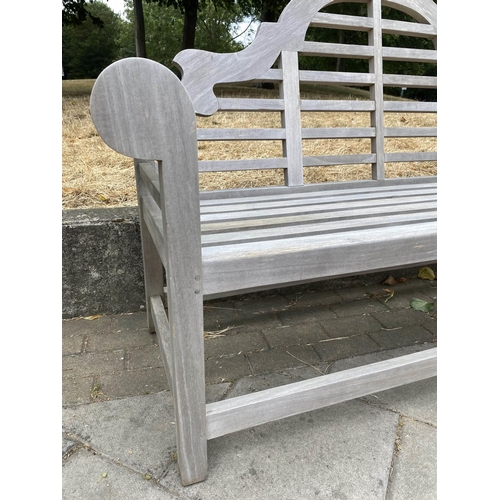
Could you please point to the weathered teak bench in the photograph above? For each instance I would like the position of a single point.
(220, 243)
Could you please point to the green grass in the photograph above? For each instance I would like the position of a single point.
(77, 87)
(84, 87)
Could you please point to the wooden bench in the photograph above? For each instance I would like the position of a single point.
(208, 244)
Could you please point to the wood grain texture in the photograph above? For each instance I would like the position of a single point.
(243, 412)
(290, 118)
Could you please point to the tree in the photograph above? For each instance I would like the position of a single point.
(87, 47)
(164, 26)
(75, 12)
(140, 30)
(190, 10)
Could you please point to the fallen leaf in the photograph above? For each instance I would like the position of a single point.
(389, 281)
(90, 318)
(421, 305)
(426, 273)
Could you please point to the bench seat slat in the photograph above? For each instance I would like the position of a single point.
(317, 216)
(324, 205)
(348, 223)
(255, 206)
(255, 265)
(318, 190)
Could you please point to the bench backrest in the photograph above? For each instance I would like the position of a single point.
(274, 56)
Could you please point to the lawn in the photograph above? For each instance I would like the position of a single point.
(96, 176)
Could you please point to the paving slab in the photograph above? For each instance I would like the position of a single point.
(82, 479)
(342, 452)
(137, 432)
(417, 400)
(414, 475)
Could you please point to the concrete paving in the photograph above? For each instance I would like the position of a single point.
(118, 430)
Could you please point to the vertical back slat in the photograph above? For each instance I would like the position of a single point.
(377, 89)
(290, 118)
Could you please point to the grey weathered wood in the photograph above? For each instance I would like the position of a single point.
(149, 176)
(135, 104)
(289, 231)
(339, 21)
(336, 50)
(337, 133)
(327, 199)
(226, 242)
(411, 107)
(317, 161)
(243, 412)
(290, 118)
(230, 194)
(415, 156)
(377, 90)
(227, 165)
(162, 329)
(410, 81)
(236, 104)
(151, 253)
(340, 105)
(413, 55)
(343, 78)
(410, 132)
(241, 267)
(240, 134)
(409, 29)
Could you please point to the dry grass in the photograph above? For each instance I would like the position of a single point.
(96, 176)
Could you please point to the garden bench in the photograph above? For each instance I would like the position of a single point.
(199, 245)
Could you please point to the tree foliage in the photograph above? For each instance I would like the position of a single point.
(75, 12)
(87, 47)
(190, 10)
(164, 27)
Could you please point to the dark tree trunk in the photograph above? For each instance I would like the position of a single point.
(190, 20)
(140, 32)
(267, 15)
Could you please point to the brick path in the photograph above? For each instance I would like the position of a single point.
(115, 356)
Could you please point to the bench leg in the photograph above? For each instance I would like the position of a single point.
(188, 388)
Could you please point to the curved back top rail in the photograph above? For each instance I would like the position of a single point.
(283, 42)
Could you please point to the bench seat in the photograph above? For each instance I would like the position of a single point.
(283, 238)
(266, 237)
